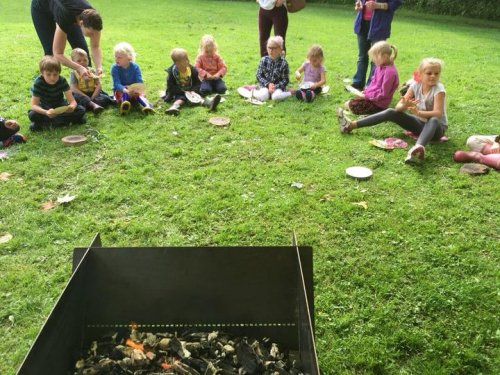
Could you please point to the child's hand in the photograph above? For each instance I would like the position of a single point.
(85, 73)
(371, 4)
(271, 87)
(50, 113)
(297, 75)
(495, 148)
(71, 108)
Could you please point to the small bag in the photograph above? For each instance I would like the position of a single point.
(295, 5)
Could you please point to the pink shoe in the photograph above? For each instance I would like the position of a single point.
(415, 154)
(465, 156)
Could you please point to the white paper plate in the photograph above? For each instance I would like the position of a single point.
(193, 97)
(361, 173)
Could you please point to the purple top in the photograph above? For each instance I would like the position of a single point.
(312, 74)
(384, 82)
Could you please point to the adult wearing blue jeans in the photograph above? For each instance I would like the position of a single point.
(60, 21)
(372, 24)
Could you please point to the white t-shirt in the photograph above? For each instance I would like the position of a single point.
(267, 4)
(426, 102)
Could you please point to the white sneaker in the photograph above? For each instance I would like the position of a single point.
(415, 154)
(244, 92)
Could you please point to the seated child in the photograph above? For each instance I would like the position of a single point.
(9, 132)
(87, 92)
(184, 78)
(211, 67)
(485, 150)
(378, 94)
(272, 74)
(126, 72)
(421, 111)
(49, 91)
(314, 75)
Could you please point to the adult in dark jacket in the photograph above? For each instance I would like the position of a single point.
(60, 21)
(372, 24)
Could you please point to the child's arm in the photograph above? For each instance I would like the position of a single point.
(284, 78)
(437, 109)
(115, 75)
(71, 101)
(202, 72)
(221, 68)
(406, 101)
(298, 72)
(35, 106)
(97, 89)
(260, 76)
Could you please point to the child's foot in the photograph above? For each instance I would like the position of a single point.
(244, 92)
(125, 107)
(465, 156)
(344, 122)
(147, 110)
(97, 109)
(214, 103)
(36, 126)
(415, 154)
(173, 111)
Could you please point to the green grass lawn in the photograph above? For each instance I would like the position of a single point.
(408, 285)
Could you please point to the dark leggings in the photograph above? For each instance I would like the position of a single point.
(45, 27)
(277, 17)
(432, 130)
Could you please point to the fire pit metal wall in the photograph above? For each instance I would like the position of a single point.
(253, 291)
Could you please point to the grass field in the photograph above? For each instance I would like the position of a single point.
(406, 285)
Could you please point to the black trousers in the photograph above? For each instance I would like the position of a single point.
(45, 27)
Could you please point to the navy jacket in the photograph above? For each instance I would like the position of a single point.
(380, 24)
(173, 86)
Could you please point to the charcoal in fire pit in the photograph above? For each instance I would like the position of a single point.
(212, 354)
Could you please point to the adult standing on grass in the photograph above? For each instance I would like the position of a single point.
(60, 21)
(272, 13)
(372, 24)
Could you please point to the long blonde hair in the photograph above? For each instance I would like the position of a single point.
(383, 48)
(207, 40)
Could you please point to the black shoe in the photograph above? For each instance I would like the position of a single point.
(37, 127)
(215, 102)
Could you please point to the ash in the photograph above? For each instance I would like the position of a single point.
(192, 353)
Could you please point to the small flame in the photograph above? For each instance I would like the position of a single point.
(134, 345)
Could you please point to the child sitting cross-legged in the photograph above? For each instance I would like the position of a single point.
(182, 81)
(314, 76)
(87, 92)
(272, 74)
(211, 67)
(49, 92)
(125, 72)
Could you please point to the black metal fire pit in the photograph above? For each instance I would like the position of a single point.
(248, 291)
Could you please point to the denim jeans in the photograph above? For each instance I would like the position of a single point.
(45, 27)
(364, 45)
(209, 86)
